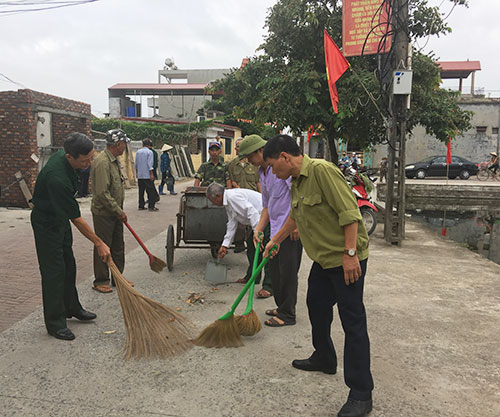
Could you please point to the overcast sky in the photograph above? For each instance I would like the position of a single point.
(78, 52)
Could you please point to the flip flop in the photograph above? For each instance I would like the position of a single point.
(103, 288)
(242, 281)
(263, 294)
(273, 322)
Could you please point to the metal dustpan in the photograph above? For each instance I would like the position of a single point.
(216, 272)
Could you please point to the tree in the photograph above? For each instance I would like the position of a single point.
(285, 84)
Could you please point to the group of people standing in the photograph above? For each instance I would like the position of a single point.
(302, 203)
(146, 166)
(55, 206)
(305, 203)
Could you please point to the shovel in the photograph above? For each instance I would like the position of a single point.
(215, 272)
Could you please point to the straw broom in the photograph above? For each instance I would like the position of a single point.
(153, 330)
(249, 323)
(156, 264)
(224, 331)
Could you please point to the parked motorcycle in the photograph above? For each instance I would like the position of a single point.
(362, 184)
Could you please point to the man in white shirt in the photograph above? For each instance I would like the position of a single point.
(242, 206)
(145, 176)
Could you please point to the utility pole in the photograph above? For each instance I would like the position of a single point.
(394, 229)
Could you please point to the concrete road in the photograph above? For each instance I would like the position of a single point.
(433, 316)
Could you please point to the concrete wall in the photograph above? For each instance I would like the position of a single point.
(471, 145)
(184, 108)
(179, 108)
(118, 107)
(19, 116)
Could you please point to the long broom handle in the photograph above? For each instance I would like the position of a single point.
(251, 290)
(247, 285)
(138, 239)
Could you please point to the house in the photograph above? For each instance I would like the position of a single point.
(32, 126)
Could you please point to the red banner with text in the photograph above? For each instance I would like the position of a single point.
(364, 27)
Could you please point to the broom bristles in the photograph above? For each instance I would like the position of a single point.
(221, 333)
(153, 330)
(157, 264)
(249, 324)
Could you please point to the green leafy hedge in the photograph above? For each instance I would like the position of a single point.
(159, 133)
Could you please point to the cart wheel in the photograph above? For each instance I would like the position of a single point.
(170, 247)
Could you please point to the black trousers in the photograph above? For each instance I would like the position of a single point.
(110, 230)
(149, 187)
(327, 288)
(284, 268)
(53, 243)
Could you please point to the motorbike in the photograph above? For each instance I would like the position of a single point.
(359, 184)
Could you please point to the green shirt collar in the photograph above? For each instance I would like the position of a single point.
(111, 157)
(305, 167)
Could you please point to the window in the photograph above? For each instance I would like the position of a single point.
(494, 130)
(480, 129)
(228, 148)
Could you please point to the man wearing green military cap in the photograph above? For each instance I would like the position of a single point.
(54, 207)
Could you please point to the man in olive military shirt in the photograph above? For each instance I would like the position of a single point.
(213, 170)
(242, 173)
(54, 206)
(107, 206)
(326, 214)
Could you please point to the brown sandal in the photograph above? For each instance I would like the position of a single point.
(272, 312)
(103, 288)
(242, 281)
(273, 322)
(263, 294)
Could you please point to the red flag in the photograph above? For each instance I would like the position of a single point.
(448, 154)
(336, 64)
(310, 133)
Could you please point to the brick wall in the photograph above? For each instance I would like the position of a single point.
(18, 136)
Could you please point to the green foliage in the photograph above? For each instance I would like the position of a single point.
(266, 131)
(159, 133)
(286, 84)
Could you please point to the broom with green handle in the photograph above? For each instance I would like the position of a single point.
(249, 323)
(224, 332)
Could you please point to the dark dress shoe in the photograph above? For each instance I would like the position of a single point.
(83, 315)
(63, 334)
(308, 365)
(355, 408)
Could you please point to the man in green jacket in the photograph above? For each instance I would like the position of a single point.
(331, 228)
(54, 207)
(107, 206)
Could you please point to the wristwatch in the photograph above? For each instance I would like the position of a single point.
(350, 252)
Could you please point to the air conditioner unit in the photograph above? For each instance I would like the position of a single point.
(200, 118)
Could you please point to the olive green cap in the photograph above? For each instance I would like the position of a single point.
(250, 144)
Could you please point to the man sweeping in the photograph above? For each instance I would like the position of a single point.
(331, 228)
(243, 206)
(108, 216)
(284, 267)
(54, 207)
